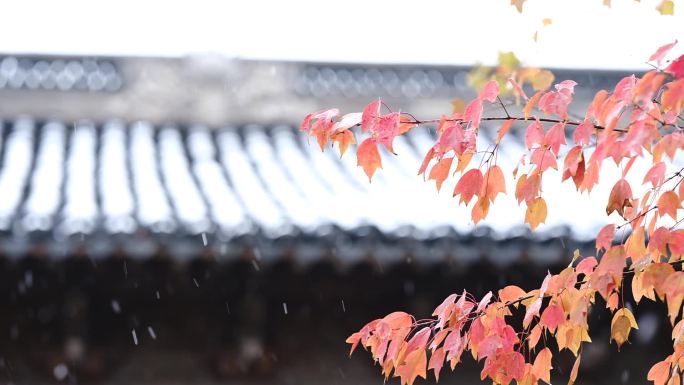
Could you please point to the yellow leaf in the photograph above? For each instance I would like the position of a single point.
(508, 60)
(542, 80)
(457, 105)
(666, 7)
(546, 22)
(478, 76)
(536, 212)
(622, 324)
(575, 255)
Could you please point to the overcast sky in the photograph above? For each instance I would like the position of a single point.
(583, 33)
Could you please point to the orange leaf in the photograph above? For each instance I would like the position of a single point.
(668, 203)
(463, 161)
(612, 302)
(534, 336)
(511, 293)
(519, 186)
(542, 365)
(575, 369)
(440, 171)
(503, 130)
(620, 197)
(638, 289)
(654, 277)
(344, 139)
(426, 161)
(536, 212)
(480, 210)
(470, 184)
(591, 177)
(660, 372)
(674, 293)
(528, 377)
(414, 365)
(405, 124)
(518, 4)
(635, 246)
(531, 103)
(608, 274)
(354, 340)
(494, 183)
(368, 157)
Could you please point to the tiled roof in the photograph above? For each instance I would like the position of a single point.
(136, 187)
(60, 74)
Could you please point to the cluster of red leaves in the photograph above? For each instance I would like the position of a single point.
(639, 119)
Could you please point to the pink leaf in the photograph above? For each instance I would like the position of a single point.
(517, 88)
(583, 133)
(534, 134)
(369, 117)
(656, 174)
(473, 112)
(676, 68)
(555, 137)
(586, 265)
(348, 121)
(490, 91)
(484, 302)
(544, 159)
(661, 52)
(387, 129)
(552, 316)
(605, 237)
